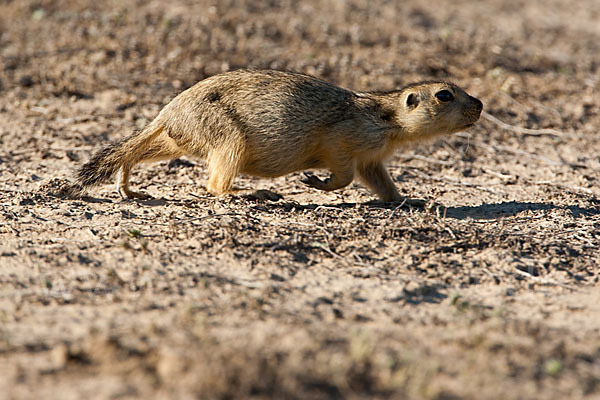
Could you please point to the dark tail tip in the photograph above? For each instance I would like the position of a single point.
(98, 169)
(62, 189)
(74, 191)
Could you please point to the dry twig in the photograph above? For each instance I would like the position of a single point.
(518, 129)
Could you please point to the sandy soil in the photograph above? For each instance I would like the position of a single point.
(318, 295)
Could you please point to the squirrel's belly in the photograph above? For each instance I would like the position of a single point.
(279, 166)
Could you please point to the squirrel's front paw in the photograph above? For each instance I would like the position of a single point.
(312, 180)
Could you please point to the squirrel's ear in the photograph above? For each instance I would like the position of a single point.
(412, 101)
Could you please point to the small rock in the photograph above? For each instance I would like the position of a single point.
(26, 81)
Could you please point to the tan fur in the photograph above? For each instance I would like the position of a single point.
(272, 123)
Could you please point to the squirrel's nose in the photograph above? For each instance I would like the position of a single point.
(478, 103)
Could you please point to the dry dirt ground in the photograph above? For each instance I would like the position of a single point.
(318, 295)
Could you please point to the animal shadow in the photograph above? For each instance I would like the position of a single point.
(512, 208)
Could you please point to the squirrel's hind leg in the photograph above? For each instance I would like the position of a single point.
(162, 148)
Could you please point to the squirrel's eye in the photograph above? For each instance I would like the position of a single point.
(444, 95)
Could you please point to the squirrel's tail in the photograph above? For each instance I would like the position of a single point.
(124, 153)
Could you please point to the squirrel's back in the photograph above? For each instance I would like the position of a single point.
(284, 117)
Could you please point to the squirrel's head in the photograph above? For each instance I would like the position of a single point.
(436, 108)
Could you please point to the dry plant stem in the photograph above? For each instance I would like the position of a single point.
(573, 189)
(542, 281)
(498, 174)
(499, 148)
(518, 129)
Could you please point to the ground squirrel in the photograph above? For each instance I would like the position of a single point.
(271, 123)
